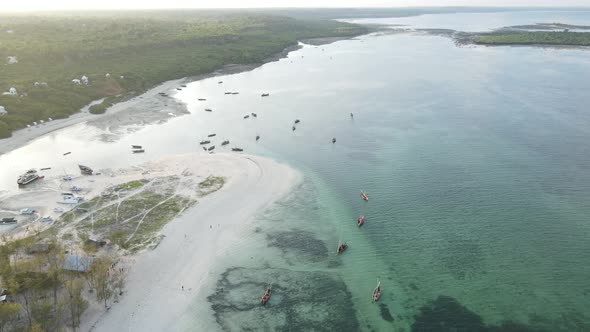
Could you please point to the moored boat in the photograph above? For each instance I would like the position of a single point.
(211, 135)
(246, 116)
(293, 128)
(376, 292)
(7, 221)
(364, 196)
(266, 296)
(85, 170)
(235, 93)
(226, 142)
(228, 92)
(265, 95)
(139, 151)
(254, 115)
(360, 221)
(202, 99)
(211, 148)
(205, 142)
(208, 110)
(297, 121)
(341, 247)
(136, 146)
(257, 137)
(237, 149)
(30, 176)
(333, 140)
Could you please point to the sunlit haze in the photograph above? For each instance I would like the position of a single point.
(158, 4)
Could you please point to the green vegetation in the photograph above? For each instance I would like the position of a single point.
(137, 50)
(534, 38)
(211, 184)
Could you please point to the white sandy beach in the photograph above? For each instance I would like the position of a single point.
(154, 300)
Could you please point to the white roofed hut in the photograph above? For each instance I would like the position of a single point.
(11, 60)
(84, 79)
(76, 81)
(3, 111)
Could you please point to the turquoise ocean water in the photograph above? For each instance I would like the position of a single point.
(476, 161)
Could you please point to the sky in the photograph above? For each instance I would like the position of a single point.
(24, 5)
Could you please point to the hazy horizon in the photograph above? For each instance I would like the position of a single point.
(61, 5)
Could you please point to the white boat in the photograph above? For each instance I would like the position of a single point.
(27, 211)
(47, 219)
(75, 188)
(69, 198)
(58, 210)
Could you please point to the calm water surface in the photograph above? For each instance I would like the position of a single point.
(476, 161)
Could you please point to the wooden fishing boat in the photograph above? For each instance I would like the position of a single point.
(246, 116)
(237, 149)
(136, 146)
(341, 247)
(360, 221)
(293, 128)
(139, 151)
(364, 196)
(265, 95)
(266, 296)
(211, 148)
(208, 110)
(211, 135)
(226, 142)
(202, 99)
(204, 142)
(376, 292)
(254, 115)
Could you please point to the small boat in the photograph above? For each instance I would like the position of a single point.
(257, 138)
(204, 142)
(136, 146)
(297, 121)
(219, 82)
(75, 188)
(139, 151)
(85, 170)
(376, 292)
(204, 148)
(333, 140)
(45, 168)
(224, 143)
(179, 89)
(67, 178)
(341, 247)
(360, 221)
(67, 153)
(254, 115)
(351, 115)
(265, 95)
(228, 92)
(237, 149)
(364, 196)
(266, 296)
(235, 93)
(46, 219)
(58, 210)
(211, 135)
(294, 128)
(202, 99)
(184, 85)
(246, 116)
(211, 148)
(7, 221)
(208, 110)
(30, 176)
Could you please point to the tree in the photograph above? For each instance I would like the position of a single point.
(102, 278)
(8, 314)
(74, 300)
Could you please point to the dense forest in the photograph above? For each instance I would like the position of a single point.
(564, 38)
(123, 54)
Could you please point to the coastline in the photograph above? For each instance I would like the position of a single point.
(163, 282)
(23, 136)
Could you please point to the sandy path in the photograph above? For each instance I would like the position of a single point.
(154, 300)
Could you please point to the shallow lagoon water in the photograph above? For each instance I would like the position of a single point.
(475, 159)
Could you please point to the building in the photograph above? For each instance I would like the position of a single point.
(3, 111)
(11, 60)
(77, 263)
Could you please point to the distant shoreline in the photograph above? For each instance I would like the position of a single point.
(23, 136)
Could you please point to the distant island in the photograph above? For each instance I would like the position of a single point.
(541, 34)
(54, 65)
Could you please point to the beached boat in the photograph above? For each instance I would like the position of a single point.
(246, 116)
(45, 168)
(293, 128)
(179, 89)
(360, 221)
(211, 148)
(211, 135)
(235, 93)
(136, 146)
(69, 198)
(202, 99)
(139, 151)
(237, 149)
(376, 292)
(208, 110)
(85, 170)
(257, 137)
(219, 82)
(265, 95)
(341, 247)
(204, 148)
(204, 142)
(226, 142)
(266, 296)
(184, 85)
(75, 188)
(254, 115)
(7, 221)
(67, 153)
(364, 196)
(228, 93)
(297, 121)
(30, 176)
(333, 140)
